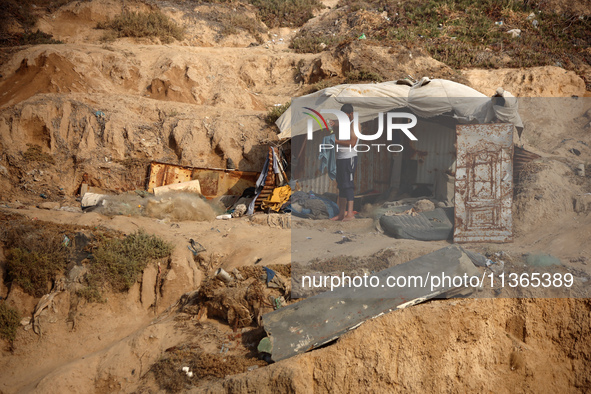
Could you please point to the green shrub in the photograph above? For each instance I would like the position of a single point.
(307, 43)
(34, 257)
(275, 13)
(34, 271)
(90, 293)
(286, 12)
(468, 33)
(141, 24)
(9, 322)
(119, 263)
(363, 76)
(275, 112)
(232, 23)
(38, 38)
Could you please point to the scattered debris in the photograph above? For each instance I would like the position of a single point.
(541, 260)
(423, 206)
(514, 33)
(344, 240)
(239, 210)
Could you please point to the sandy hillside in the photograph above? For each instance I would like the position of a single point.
(100, 108)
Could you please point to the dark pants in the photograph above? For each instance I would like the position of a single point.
(345, 172)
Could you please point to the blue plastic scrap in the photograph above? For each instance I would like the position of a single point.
(270, 274)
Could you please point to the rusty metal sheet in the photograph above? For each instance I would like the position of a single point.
(214, 182)
(372, 173)
(484, 183)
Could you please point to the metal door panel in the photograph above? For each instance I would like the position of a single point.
(484, 183)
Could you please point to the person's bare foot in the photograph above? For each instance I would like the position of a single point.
(336, 218)
(348, 217)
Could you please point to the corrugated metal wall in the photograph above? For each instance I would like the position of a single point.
(437, 151)
(434, 151)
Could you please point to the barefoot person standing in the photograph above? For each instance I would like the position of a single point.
(346, 158)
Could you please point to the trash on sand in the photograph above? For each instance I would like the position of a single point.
(92, 199)
(222, 275)
(66, 241)
(275, 280)
(496, 267)
(237, 274)
(225, 216)
(185, 369)
(541, 260)
(362, 36)
(265, 345)
(277, 302)
(344, 240)
(478, 259)
(514, 32)
(239, 210)
(270, 274)
(195, 247)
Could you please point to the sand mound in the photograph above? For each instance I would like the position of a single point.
(469, 345)
(545, 81)
(76, 22)
(556, 125)
(195, 77)
(545, 195)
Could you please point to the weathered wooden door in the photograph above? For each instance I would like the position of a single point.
(484, 183)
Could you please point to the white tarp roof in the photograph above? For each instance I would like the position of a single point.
(426, 99)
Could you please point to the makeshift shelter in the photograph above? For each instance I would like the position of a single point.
(426, 166)
(440, 106)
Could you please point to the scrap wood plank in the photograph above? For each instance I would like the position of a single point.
(318, 320)
(214, 182)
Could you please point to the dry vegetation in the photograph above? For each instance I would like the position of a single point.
(38, 253)
(463, 34)
(117, 263)
(35, 255)
(204, 366)
(232, 23)
(275, 112)
(9, 322)
(34, 153)
(23, 12)
(141, 24)
(276, 13)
